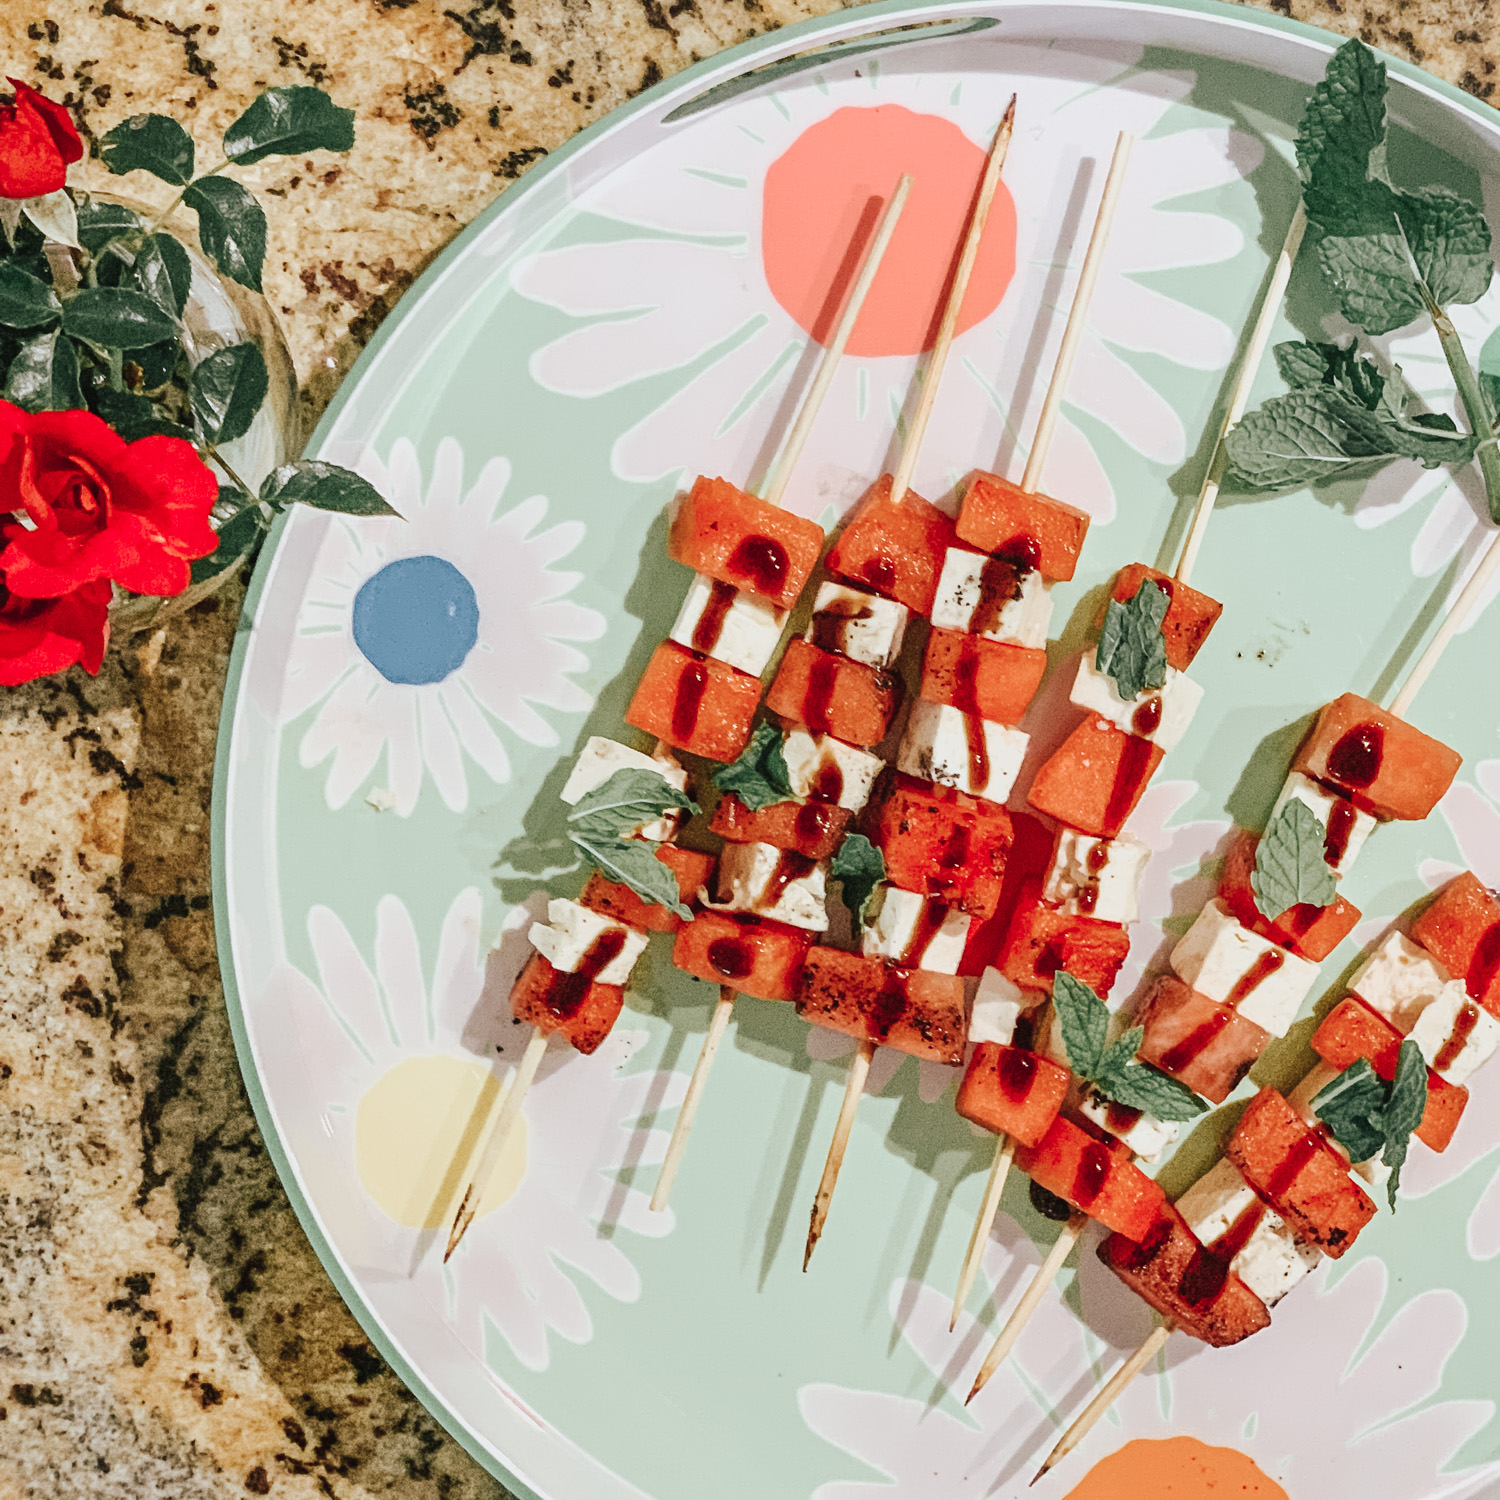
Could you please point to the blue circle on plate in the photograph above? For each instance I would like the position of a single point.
(416, 620)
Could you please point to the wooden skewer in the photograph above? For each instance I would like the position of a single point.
(1078, 314)
(515, 1094)
(1260, 336)
(1462, 607)
(1005, 1151)
(1107, 1397)
(859, 1071)
(1031, 1298)
(901, 480)
(775, 492)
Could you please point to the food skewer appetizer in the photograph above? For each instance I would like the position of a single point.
(699, 693)
(1096, 870)
(943, 833)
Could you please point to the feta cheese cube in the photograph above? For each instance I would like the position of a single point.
(1021, 621)
(1147, 1136)
(936, 747)
(818, 765)
(566, 940)
(1456, 1035)
(1323, 802)
(1158, 714)
(998, 1005)
(1400, 979)
(601, 758)
(773, 883)
(1231, 964)
(728, 624)
(1098, 878)
(1049, 1037)
(857, 625)
(917, 932)
(1271, 1261)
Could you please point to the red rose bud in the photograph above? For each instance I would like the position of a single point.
(37, 143)
(41, 636)
(101, 508)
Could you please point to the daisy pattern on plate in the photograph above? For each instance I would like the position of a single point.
(424, 638)
(1382, 1432)
(713, 271)
(406, 1064)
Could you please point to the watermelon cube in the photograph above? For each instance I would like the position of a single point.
(1311, 932)
(913, 1010)
(1172, 1271)
(1094, 779)
(1097, 1180)
(749, 954)
(1206, 1046)
(1012, 1091)
(834, 695)
(620, 902)
(695, 703)
(1027, 862)
(1190, 615)
(1299, 1174)
(992, 679)
(1041, 941)
(814, 829)
(1379, 762)
(894, 548)
(1000, 518)
(938, 842)
(573, 1005)
(1461, 929)
(732, 536)
(1351, 1030)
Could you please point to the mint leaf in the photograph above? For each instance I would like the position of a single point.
(1408, 1103)
(1290, 867)
(623, 803)
(861, 867)
(633, 862)
(1084, 1019)
(760, 776)
(1303, 365)
(1341, 140)
(1450, 242)
(1132, 648)
(1353, 1107)
(1371, 272)
(1138, 1087)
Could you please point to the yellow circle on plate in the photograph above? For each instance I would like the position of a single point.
(417, 1134)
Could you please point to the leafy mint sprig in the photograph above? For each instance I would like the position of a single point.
(601, 820)
(861, 867)
(1391, 254)
(1111, 1066)
(759, 777)
(1369, 1116)
(1290, 867)
(1132, 648)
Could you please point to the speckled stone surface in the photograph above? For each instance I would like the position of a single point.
(165, 1330)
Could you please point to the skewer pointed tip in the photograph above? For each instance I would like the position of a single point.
(461, 1221)
(1009, 117)
(1040, 1474)
(973, 1391)
(812, 1244)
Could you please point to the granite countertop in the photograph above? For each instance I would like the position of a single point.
(165, 1329)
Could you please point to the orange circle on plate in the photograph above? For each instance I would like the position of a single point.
(823, 198)
(1179, 1468)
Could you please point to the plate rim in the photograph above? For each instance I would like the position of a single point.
(846, 25)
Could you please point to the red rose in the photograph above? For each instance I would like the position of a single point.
(100, 507)
(37, 141)
(42, 636)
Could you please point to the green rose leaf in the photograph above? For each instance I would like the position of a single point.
(238, 537)
(287, 122)
(26, 302)
(226, 390)
(324, 487)
(1084, 1019)
(1132, 648)
(232, 227)
(759, 777)
(115, 317)
(44, 375)
(130, 415)
(164, 273)
(1290, 867)
(149, 143)
(98, 223)
(860, 866)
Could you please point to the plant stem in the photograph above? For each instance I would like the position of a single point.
(223, 463)
(1476, 404)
